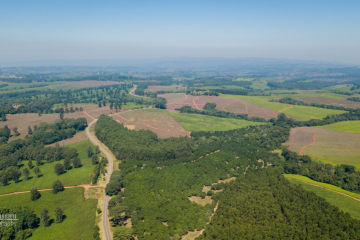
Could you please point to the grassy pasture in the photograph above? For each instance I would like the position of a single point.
(195, 122)
(303, 113)
(344, 203)
(72, 177)
(347, 126)
(80, 213)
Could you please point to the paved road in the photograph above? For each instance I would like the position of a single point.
(95, 141)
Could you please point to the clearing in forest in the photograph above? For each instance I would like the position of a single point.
(327, 146)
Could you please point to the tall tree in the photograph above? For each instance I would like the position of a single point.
(3, 117)
(15, 130)
(37, 172)
(30, 164)
(35, 194)
(61, 115)
(26, 173)
(89, 151)
(57, 187)
(59, 169)
(59, 213)
(44, 217)
(95, 159)
(29, 130)
(97, 149)
(67, 163)
(35, 128)
(76, 162)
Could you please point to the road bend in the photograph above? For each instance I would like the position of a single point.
(96, 142)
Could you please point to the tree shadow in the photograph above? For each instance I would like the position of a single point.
(51, 221)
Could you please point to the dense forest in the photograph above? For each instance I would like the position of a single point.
(264, 205)
(300, 84)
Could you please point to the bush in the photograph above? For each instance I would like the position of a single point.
(59, 169)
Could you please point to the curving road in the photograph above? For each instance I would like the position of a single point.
(95, 141)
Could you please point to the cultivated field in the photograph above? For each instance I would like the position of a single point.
(344, 203)
(164, 88)
(176, 101)
(80, 213)
(303, 113)
(347, 126)
(73, 177)
(23, 120)
(157, 121)
(78, 137)
(327, 146)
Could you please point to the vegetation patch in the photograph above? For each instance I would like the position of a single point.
(348, 126)
(79, 220)
(344, 203)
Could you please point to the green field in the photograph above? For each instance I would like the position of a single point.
(347, 126)
(80, 213)
(72, 177)
(326, 185)
(341, 157)
(196, 122)
(303, 113)
(344, 203)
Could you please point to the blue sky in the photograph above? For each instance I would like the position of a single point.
(60, 30)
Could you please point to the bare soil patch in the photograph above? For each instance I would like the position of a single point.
(329, 101)
(23, 120)
(191, 235)
(177, 100)
(200, 201)
(78, 137)
(161, 124)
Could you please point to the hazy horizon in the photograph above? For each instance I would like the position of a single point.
(76, 31)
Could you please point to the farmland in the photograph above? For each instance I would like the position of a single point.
(167, 124)
(327, 146)
(72, 177)
(348, 126)
(344, 203)
(80, 213)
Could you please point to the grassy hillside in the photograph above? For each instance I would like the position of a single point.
(80, 213)
(347, 126)
(344, 203)
(72, 177)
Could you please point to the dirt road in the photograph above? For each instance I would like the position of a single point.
(96, 142)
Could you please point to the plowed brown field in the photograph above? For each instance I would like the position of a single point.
(177, 100)
(160, 123)
(23, 120)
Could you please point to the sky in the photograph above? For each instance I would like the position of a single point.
(70, 30)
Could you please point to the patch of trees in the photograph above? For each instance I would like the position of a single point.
(210, 106)
(115, 184)
(233, 91)
(32, 149)
(344, 176)
(354, 99)
(264, 205)
(4, 85)
(297, 84)
(298, 102)
(99, 169)
(26, 223)
(220, 83)
(215, 113)
(141, 145)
